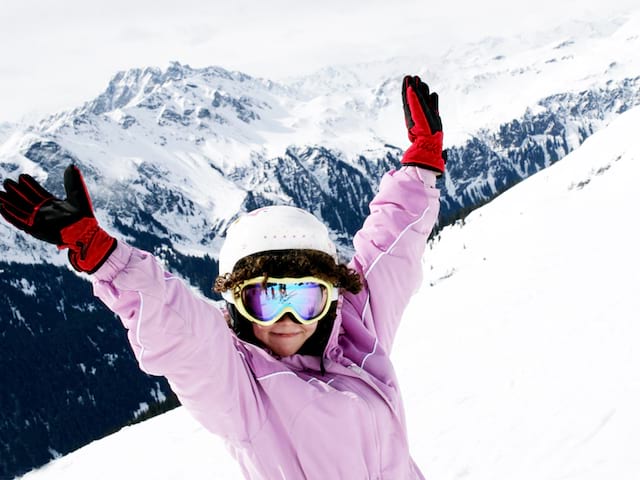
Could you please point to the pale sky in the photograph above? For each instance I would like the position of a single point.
(57, 55)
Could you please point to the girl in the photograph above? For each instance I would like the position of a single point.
(301, 386)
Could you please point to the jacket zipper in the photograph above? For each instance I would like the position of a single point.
(359, 373)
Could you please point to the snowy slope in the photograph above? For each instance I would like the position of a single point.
(531, 326)
(517, 357)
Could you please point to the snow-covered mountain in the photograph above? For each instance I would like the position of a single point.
(171, 155)
(215, 142)
(527, 364)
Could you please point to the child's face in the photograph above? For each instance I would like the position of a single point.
(285, 337)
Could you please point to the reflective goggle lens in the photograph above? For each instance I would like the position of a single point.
(307, 299)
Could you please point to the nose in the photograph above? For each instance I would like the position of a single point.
(287, 318)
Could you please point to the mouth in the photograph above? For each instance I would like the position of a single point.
(285, 334)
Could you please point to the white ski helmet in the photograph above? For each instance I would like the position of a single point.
(272, 228)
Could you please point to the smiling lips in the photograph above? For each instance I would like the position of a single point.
(285, 334)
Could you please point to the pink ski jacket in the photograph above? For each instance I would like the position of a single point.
(280, 417)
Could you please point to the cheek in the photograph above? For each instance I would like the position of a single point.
(260, 332)
(310, 329)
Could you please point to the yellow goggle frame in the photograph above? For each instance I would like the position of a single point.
(278, 296)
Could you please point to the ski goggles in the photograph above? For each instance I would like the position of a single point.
(308, 299)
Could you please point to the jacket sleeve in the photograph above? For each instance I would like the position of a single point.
(176, 333)
(389, 248)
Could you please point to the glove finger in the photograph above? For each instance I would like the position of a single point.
(421, 126)
(422, 88)
(33, 189)
(406, 82)
(15, 196)
(76, 189)
(434, 108)
(429, 105)
(433, 102)
(14, 216)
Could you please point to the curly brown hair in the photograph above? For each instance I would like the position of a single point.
(290, 263)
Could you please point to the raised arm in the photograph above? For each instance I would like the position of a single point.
(390, 245)
(176, 333)
(173, 331)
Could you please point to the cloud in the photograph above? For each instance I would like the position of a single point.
(71, 48)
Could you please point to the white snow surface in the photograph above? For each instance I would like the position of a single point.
(517, 358)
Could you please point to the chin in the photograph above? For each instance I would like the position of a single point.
(285, 352)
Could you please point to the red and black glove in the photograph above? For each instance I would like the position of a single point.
(68, 223)
(424, 126)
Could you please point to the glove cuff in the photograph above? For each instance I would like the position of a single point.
(426, 152)
(89, 245)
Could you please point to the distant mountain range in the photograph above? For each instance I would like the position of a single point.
(172, 155)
